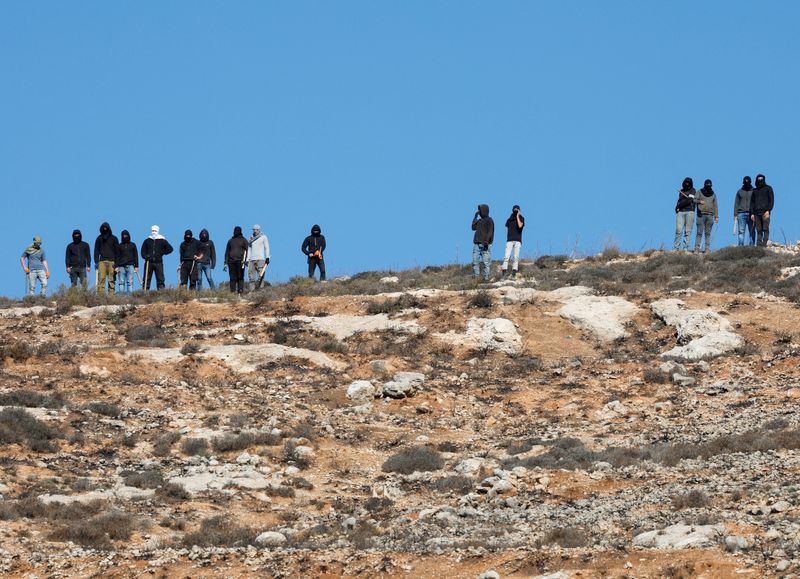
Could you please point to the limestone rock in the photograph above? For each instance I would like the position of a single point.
(361, 391)
(679, 537)
(270, 539)
(603, 316)
(403, 384)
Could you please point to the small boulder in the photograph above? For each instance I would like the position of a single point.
(361, 391)
(270, 539)
(403, 385)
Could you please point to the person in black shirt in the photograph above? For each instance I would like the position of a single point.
(514, 224)
(190, 260)
(684, 214)
(154, 249)
(762, 202)
(78, 259)
(483, 226)
(127, 263)
(105, 255)
(209, 261)
(235, 259)
(314, 247)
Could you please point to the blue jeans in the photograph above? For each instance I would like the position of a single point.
(126, 277)
(704, 225)
(745, 223)
(481, 255)
(205, 269)
(683, 228)
(33, 275)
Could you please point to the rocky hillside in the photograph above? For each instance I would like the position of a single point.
(618, 416)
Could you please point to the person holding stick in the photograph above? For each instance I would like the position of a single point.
(190, 255)
(258, 257)
(153, 251)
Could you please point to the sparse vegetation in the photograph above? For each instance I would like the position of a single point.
(415, 459)
(30, 399)
(567, 537)
(19, 427)
(220, 531)
(194, 446)
(241, 441)
(164, 443)
(105, 409)
(694, 499)
(481, 299)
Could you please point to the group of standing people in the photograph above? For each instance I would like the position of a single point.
(482, 240)
(752, 210)
(117, 260)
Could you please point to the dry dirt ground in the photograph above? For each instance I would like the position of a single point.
(142, 441)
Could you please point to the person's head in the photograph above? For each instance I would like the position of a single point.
(483, 210)
(37, 241)
(707, 184)
(188, 235)
(105, 229)
(316, 230)
(687, 184)
(746, 180)
(237, 231)
(515, 209)
(204, 235)
(126, 236)
(155, 230)
(760, 180)
(256, 229)
(77, 237)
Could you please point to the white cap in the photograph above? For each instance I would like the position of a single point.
(154, 229)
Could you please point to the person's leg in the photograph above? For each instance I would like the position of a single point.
(487, 262)
(240, 287)
(232, 277)
(101, 281)
(84, 278)
(73, 277)
(699, 235)
(476, 260)
(506, 256)
(689, 223)
(741, 224)
(112, 277)
(159, 271)
(194, 276)
(709, 225)
(200, 268)
(765, 229)
(321, 269)
(31, 279)
(751, 228)
(42, 281)
(312, 266)
(759, 229)
(679, 225)
(184, 273)
(515, 258)
(129, 284)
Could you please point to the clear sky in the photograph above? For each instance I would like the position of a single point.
(388, 122)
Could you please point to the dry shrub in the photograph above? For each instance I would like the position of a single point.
(415, 459)
(236, 442)
(567, 537)
(105, 408)
(98, 531)
(18, 427)
(194, 446)
(163, 443)
(694, 499)
(30, 399)
(220, 531)
(457, 484)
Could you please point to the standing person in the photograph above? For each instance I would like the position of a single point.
(127, 262)
(34, 264)
(684, 214)
(154, 249)
(761, 203)
(741, 212)
(314, 246)
(191, 256)
(78, 259)
(483, 226)
(105, 255)
(209, 261)
(235, 258)
(707, 215)
(514, 226)
(258, 256)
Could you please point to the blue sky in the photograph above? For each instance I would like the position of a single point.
(388, 122)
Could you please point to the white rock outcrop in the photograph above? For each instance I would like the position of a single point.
(701, 333)
(403, 385)
(497, 334)
(603, 316)
(679, 537)
(361, 391)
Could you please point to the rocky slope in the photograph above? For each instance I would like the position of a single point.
(538, 428)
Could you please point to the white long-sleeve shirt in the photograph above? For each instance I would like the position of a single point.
(259, 249)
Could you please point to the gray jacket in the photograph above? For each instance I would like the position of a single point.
(706, 205)
(742, 204)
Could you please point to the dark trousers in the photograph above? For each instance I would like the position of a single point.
(78, 273)
(157, 269)
(236, 272)
(316, 262)
(762, 229)
(190, 271)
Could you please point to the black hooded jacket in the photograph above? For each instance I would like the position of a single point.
(686, 196)
(127, 254)
(105, 246)
(314, 242)
(483, 226)
(207, 249)
(154, 250)
(189, 247)
(763, 198)
(78, 253)
(514, 231)
(236, 250)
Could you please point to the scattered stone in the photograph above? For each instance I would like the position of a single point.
(403, 384)
(270, 539)
(490, 574)
(497, 334)
(361, 391)
(390, 279)
(735, 543)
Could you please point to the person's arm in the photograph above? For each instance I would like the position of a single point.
(22, 263)
(96, 251)
(87, 256)
(520, 221)
(753, 205)
(306, 245)
(46, 268)
(213, 252)
(266, 249)
(167, 248)
(66, 259)
(322, 244)
(135, 257)
(491, 231)
(715, 207)
(771, 202)
(475, 220)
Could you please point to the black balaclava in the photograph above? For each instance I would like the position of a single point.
(76, 236)
(105, 229)
(760, 180)
(187, 235)
(515, 209)
(204, 235)
(315, 230)
(237, 231)
(126, 237)
(707, 190)
(747, 184)
(688, 184)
